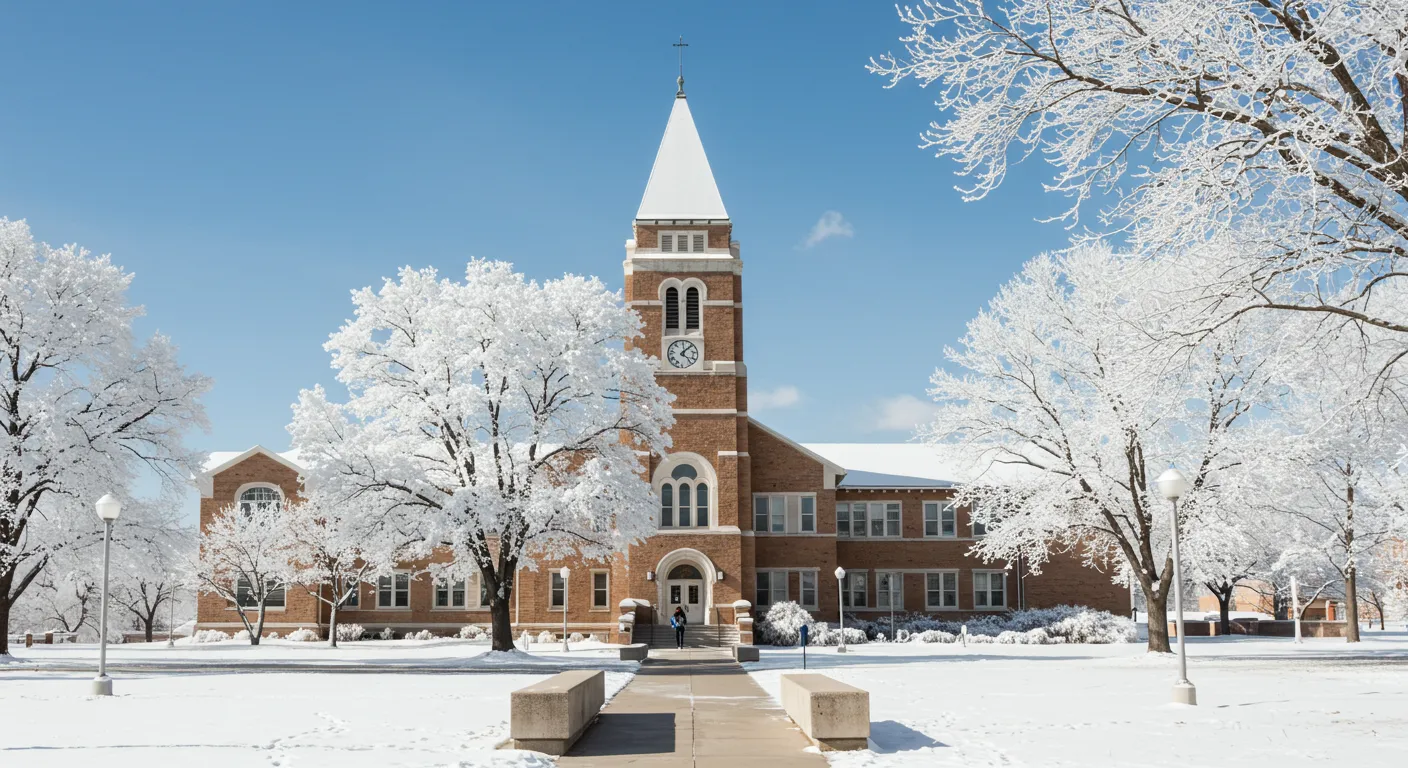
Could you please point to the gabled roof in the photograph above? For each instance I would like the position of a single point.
(941, 467)
(219, 461)
(832, 471)
(681, 185)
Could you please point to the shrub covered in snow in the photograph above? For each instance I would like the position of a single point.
(424, 634)
(592, 638)
(387, 634)
(782, 624)
(470, 632)
(211, 636)
(546, 637)
(302, 635)
(272, 636)
(347, 632)
(1038, 626)
(576, 637)
(242, 636)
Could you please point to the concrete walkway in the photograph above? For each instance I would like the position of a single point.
(695, 708)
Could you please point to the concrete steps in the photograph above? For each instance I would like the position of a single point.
(695, 635)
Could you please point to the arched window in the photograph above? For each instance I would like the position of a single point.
(691, 309)
(684, 499)
(672, 309)
(258, 497)
(685, 571)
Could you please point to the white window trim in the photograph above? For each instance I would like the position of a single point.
(393, 607)
(849, 590)
(852, 537)
(566, 585)
(449, 585)
(235, 606)
(786, 522)
(773, 573)
(816, 589)
(689, 239)
(942, 504)
(892, 574)
(957, 590)
(977, 607)
(592, 576)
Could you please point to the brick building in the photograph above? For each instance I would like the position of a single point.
(745, 513)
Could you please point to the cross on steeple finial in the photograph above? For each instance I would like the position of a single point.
(681, 45)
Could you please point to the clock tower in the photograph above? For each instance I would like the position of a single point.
(684, 277)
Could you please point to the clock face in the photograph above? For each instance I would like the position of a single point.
(682, 354)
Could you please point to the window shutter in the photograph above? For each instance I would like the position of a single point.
(672, 309)
(691, 309)
(698, 242)
(667, 243)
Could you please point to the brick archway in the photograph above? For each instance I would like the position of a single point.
(669, 562)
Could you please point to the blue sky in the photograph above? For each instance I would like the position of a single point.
(251, 163)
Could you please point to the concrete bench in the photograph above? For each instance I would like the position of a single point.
(550, 716)
(742, 653)
(635, 652)
(832, 714)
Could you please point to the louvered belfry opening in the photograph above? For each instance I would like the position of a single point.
(667, 242)
(697, 242)
(691, 309)
(672, 309)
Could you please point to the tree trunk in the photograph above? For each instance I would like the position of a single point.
(1157, 607)
(1224, 606)
(1351, 607)
(4, 620)
(332, 625)
(258, 633)
(502, 627)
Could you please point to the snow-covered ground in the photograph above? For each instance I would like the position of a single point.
(446, 653)
(1263, 701)
(214, 720)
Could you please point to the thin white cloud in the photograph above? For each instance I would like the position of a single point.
(831, 224)
(905, 413)
(784, 396)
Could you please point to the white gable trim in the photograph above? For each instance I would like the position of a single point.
(206, 480)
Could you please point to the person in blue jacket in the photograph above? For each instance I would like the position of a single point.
(678, 621)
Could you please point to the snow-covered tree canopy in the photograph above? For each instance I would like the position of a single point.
(84, 408)
(1067, 387)
(495, 416)
(247, 557)
(1280, 125)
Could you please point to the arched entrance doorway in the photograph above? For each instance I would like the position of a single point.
(685, 580)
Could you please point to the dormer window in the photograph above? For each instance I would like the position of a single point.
(683, 242)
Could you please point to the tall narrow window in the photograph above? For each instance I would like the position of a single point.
(889, 590)
(853, 590)
(684, 505)
(600, 591)
(691, 309)
(843, 520)
(807, 581)
(667, 505)
(672, 309)
(979, 529)
(557, 591)
(808, 514)
(701, 506)
(760, 513)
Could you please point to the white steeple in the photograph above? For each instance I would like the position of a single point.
(681, 185)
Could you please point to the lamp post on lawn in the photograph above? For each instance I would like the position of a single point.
(563, 573)
(841, 606)
(171, 622)
(108, 509)
(1173, 485)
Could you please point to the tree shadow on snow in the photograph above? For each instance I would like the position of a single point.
(888, 737)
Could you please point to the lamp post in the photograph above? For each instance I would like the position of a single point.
(841, 606)
(108, 509)
(171, 622)
(1173, 485)
(563, 573)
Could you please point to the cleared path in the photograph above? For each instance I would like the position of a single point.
(696, 708)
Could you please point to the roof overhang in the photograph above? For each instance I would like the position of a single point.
(206, 480)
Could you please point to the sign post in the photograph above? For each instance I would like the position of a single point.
(804, 646)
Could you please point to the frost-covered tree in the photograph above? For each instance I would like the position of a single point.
(1067, 391)
(337, 546)
(496, 418)
(148, 561)
(84, 408)
(1282, 124)
(246, 557)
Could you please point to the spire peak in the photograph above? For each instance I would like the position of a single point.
(680, 46)
(681, 185)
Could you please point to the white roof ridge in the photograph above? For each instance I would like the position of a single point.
(681, 185)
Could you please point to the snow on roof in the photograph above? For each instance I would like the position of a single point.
(221, 459)
(907, 465)
(681, 184)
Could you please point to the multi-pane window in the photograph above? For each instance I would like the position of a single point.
(600, 591)
(941, 590)
(449, 594)
(246, 598)
(684, 499)
(807, 582)
(889, 590)
(354, 595)
(558, 590)
(979, 529)
(259, 497)
(853, 590)
(394, 591)
(989, 589)
(483, 593)
(940, 519)
(876, 519)
(808, 514)
(771, 587)
(784, 513)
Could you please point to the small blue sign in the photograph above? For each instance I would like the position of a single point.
(804, 634)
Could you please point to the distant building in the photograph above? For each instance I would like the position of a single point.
(745, 513)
